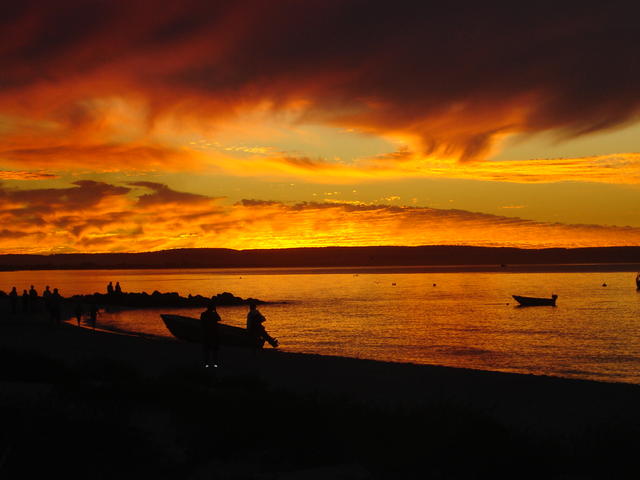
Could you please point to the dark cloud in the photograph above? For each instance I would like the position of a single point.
(85, 194)
(11, 234)
(454, 75)
(252, 202)
(162, 194)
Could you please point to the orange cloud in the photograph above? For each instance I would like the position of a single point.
(91, 83)
(23, 175)
(100, 157)
(621, 168)
(99, 217)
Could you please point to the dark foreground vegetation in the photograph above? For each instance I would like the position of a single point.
(101, 419)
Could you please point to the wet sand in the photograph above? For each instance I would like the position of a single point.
(534, 403)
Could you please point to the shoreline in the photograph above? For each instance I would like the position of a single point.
(369, 269)
(67, 316)
(526, 400)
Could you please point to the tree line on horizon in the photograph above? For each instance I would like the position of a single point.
(325, 257)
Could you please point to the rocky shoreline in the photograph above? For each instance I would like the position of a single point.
(138, 300)
(158, 299)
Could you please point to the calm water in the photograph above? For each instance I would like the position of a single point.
(466, 320)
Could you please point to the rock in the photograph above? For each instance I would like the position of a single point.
(159, 299)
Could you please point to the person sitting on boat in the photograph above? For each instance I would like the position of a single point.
(210, 337)
(255, 327)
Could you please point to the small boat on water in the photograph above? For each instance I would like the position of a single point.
(189, 329)
(535, 301)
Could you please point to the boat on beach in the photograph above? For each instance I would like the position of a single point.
(189, 329)
(535, 301)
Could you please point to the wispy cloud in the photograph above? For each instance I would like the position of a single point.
(623, 168)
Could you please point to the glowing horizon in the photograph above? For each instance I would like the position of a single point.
(270, 126)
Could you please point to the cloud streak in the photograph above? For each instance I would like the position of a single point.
(25, 175)
(623, 168)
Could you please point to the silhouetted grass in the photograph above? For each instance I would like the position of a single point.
(101, 420)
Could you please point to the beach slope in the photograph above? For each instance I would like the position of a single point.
(560, 419)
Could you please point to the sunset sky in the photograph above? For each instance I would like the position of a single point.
(145, 125)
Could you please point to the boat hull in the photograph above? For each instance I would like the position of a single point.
(535, 301)
(189, 329)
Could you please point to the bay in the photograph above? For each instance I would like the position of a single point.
(458, 318)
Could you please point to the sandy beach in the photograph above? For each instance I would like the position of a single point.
(535, 406)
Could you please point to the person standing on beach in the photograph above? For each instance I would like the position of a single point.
(46, 299)
(210, 335)
(118, 289)
(110, 288)
(13, 300)
(93, 316)
(33, 299)
(78, 311)
(54, 307)
(25, 301)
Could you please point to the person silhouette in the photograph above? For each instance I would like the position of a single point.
(210, 335)
(93, 316)
(118, 290)
(110, 288)
(78, 311)
(13, 300)
(33, 299)
(54, 307)
(25, 301)
(46, 299)
(256, 329)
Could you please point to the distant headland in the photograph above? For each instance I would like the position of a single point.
(329, 257)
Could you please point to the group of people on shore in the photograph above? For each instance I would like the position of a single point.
(51, 301)
(92, 314)
(111, 290)
(210, 320)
